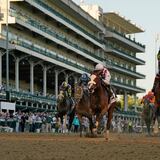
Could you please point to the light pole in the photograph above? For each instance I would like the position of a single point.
(7, 52)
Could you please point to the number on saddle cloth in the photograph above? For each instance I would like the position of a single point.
(78, 92)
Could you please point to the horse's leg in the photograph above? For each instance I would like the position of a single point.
(158, 120)
(64, 123)
(149, 120)
(148, 124)
(80, 120)
(142, 125)
(110, 116)
(61, 119)
(71, 117)
(99, 117)
(91, 124)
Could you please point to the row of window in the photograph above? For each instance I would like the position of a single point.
(49, 31)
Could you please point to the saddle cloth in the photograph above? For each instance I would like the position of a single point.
(78, 92)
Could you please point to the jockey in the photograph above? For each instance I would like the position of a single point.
(84, 79)
(66, 87)
(150, 97)
(106, 77)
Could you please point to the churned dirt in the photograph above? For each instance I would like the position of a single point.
(71, 147)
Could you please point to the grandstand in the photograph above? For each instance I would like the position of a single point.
(53, 41)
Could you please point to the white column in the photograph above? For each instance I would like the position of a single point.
(17, 73)
(56, 83)
(75, 80)
(66, 78)
(44, 80)
(32, 77)
(135, 103)
(1, 68)
(125, 101)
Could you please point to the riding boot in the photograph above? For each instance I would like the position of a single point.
(110, 91)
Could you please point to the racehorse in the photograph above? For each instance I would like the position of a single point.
(99, 101)
(157, 98)
(83, 106)
(64, 108)
(148, 114)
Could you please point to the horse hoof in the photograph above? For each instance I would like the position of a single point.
(94, 131)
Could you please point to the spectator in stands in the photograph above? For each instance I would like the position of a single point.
(130, 126)
(76, 123)
(23, 121)
(30, 121)
(48, 122)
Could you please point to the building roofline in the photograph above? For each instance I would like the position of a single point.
(127, 24)
(83, 13)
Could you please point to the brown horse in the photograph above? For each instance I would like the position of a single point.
(83, 106)
(147, 115)
(156, 91)
(64, 108)
(99, 101)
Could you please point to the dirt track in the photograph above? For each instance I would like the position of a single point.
(72, 147)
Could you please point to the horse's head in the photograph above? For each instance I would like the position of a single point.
(94, 81)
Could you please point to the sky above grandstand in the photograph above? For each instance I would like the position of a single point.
(145, 13)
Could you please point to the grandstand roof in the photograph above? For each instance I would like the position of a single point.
(120, 20)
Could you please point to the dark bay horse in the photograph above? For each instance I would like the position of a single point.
(99, 101)
(156, 91)
(64, 108)
(83, 106)
(148, 114)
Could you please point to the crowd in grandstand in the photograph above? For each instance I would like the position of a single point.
(47, 122)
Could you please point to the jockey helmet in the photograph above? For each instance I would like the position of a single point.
(65, 84)
(99, 67)
(84, 76)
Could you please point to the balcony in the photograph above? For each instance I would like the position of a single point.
(128, 87)
(122, 54)
(32, 98)
(124, 70)
(123, 40)
(41, 29)
(47, 10)
(50, 54)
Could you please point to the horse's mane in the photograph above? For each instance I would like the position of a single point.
(97, 73)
